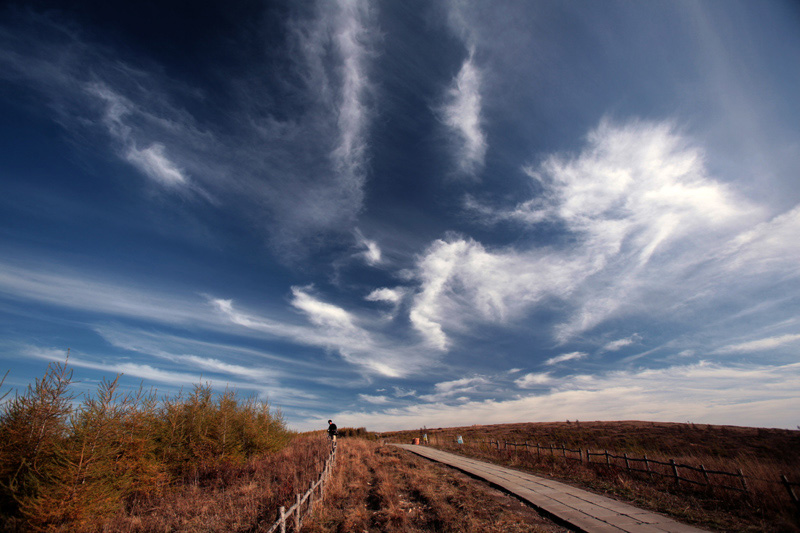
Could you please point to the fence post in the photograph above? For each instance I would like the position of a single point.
(588, 457)
(675, 471)
(627, 464)
(552, 453)
(705, 474)
(741, 477)
(789, 488)
(608, 458)
(527, 450)
(311, 496)
(282, 518)
(563, 450)
(297, 514)
(538, 451)
(580, 454)
(647, 467)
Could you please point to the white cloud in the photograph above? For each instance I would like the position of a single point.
(533, 379)
(770, 343)
(702, 393)
(461, 113)
(154, 163)
(462, 282)
(403, 393)
(572, 356)
(386, 295)
(343, 32)
(358, 339)
(372, 252)
(375, 400)
(352, 35)
(459, 385)
(450, 389)
(648, 226)
(322, 313)
(618, 344)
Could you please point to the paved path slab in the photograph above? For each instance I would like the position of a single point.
(580, 509)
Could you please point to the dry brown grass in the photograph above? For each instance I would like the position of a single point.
(231, 497)
(383, 488)
(762, 454)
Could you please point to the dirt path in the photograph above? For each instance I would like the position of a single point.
(382, 488)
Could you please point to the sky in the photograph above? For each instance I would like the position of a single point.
(408, 214)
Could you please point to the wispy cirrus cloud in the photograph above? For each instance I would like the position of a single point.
(769, 343)
(618, 344)
(296, 176)
(358, 339)
(572, 356)
(88, 292)
(461, 112)
(179, 372)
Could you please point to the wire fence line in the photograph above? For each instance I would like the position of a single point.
(678, 472)
(304, 503)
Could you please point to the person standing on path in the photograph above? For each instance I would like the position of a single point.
(332, 431)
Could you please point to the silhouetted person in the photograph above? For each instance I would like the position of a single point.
(332, 431)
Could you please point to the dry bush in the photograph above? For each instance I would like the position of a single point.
(232, 497)
(384, 488)
(761, 454)
(361, 433)
(67, 466)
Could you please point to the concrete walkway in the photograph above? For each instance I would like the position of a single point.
(576, 508)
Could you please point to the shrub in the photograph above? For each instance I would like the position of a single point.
(356, 432)
(67, 464)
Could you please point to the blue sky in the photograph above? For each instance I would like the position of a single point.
(407, 214)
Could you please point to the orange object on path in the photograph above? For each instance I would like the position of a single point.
(415, 441)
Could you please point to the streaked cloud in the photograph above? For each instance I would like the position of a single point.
(374, 400)
(461, 113)
(618, 344)
(358, 339)
(572, 356)
(769, 343)
(88, 292)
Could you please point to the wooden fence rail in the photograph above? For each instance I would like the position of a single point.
(790, 489)
(676, 471)
(304, 503)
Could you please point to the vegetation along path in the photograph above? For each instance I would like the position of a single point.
(582, 510)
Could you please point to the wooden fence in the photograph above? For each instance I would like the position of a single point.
(679, 473)
(304, 503)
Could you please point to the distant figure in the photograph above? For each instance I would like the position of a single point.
(332, 431)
